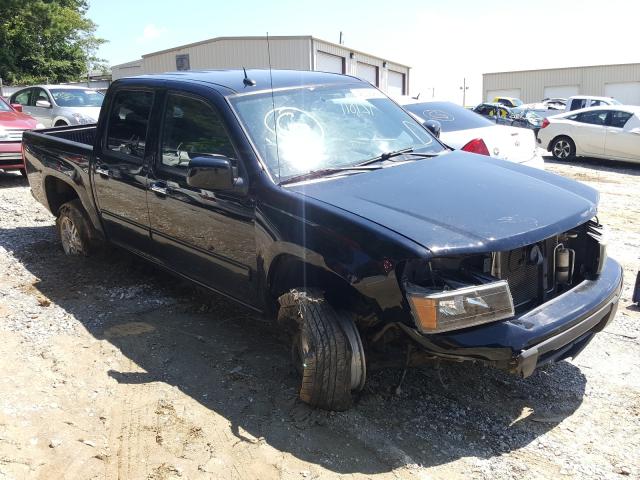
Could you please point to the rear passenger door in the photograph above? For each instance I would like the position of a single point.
(121, 166)
(590, 132)
(206, 235)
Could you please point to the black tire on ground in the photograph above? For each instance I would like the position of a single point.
(321, 349)
(563, 148)
(23, 172)
(76, 233)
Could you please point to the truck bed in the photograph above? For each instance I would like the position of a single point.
(78, 134)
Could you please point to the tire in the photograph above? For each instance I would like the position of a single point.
(563, 148)
(76, 233)
(327, 355)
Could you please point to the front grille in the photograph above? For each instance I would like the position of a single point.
(11, 135)
(527, 277)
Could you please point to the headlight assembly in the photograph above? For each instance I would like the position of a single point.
(436, 312)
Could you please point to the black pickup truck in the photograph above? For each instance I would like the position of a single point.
(317, 200)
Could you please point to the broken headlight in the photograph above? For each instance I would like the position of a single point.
(441, 311)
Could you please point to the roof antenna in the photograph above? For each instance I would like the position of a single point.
(247, 81)
(273, 106)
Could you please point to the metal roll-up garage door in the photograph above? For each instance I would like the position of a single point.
(395, 83)
(563, 91)
(368, 72)
(326, 62)
(627, 93)
(513, 93)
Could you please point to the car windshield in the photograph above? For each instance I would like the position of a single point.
(306, 129)
(3, 106)
(452, 117)
(67, 97)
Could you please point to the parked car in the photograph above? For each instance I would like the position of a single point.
(531, 118)
(554, 103)
(60, 105)
(466, 130)
(12, 125)
(611, 132)
(496, 112)
(508, 101)
(314, 198)
(585, 101)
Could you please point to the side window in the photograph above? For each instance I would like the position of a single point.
(619, 119)
(23, 97)
(595, 103)
(39, 94)
(128, 120)
(191, 129)
(578, 103)
(593, 118)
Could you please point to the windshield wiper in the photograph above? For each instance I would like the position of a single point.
(327, 171)
(396, 153)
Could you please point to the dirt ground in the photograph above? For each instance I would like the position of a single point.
(111, 369)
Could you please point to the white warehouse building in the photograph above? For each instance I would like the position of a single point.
(290, 52)
(621, 82)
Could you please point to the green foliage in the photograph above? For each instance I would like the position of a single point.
(46, 40)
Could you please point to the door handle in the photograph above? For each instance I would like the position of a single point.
(103, 171)
(159, 188)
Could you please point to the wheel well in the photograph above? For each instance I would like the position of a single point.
(61, 123)
(556, 138)
(288, 272)
(58, 193)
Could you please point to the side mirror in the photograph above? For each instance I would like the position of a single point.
(433, 126)
(210, 173)
(17, 107)
(43, 104)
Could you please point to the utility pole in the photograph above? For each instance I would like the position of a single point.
(464, 89)
(1, 87)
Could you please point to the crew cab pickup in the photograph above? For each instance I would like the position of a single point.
(317, 200)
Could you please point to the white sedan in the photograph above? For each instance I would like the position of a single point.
(611, 132)
(464, 129)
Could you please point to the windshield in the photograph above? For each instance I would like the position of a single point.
(67, 97)
(452, 117)
(312, 128)
(3, 106)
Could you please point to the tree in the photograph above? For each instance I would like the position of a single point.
(46, 40)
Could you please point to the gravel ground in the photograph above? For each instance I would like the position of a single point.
(112, 369)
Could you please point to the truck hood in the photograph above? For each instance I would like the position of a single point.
(16, 120)
(460, 203)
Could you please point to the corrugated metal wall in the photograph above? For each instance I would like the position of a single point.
(297, 53)
(292, 53)
(590, 80)
(352, 63)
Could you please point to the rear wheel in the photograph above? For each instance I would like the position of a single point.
(563, 148)
(77, 235)
(326, 349)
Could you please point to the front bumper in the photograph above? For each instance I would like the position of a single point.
(553, 331)
(11, 156)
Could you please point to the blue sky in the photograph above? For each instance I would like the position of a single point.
(443, 41)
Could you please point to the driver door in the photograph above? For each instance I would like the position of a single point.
(208, 236)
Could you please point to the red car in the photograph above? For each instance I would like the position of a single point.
(12, 124)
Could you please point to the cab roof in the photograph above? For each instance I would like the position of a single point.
(263, 78)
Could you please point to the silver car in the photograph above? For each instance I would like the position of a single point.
(60, 105)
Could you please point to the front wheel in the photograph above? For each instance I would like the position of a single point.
(326, 350)
(563, 148)
(75, 230)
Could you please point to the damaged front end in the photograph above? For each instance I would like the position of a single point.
(496, 307)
